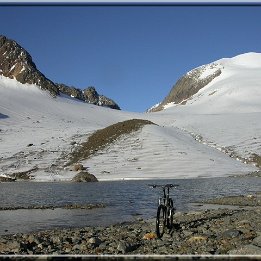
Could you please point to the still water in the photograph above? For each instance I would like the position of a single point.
(124, 200)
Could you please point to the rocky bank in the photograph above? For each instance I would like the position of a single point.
(221, 231)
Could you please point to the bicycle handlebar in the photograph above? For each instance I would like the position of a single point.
(163, 186)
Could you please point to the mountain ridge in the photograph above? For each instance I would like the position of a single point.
(16, 63)
(196, 81)
(216, 133)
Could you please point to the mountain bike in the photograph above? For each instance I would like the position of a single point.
(165, 210)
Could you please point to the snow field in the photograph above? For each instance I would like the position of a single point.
(190, 141)
(161, 152)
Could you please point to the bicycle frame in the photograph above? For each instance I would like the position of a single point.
(165, 197)
(165, 210)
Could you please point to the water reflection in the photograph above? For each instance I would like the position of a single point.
(124, 200)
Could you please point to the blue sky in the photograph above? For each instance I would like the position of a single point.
(132, 54)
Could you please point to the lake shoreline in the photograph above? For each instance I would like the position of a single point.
(219, 231)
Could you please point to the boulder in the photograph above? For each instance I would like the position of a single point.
(246, 250)
(257, 241)
(84, 176)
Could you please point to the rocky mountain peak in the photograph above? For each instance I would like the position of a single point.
(16, 63)
(89, 95)
(189, 84)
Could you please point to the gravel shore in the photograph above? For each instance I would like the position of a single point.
(219, 231)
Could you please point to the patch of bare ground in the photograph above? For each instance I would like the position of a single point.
(243, 200)
(24, 175)
(256, 159)
(66, 206)
(104, 137)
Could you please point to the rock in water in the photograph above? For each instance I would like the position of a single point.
(84, 176)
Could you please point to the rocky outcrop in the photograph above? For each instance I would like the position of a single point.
(89, 95)
(84, 176)
(188, 85)
(70, 91)
(16, 63)
(7, 179)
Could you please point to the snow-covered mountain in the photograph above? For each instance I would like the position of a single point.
(216, 133)
(225, 113)
(226, 85)
(17, 63)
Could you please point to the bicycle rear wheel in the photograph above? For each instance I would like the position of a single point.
(161, 221)
(170, 215)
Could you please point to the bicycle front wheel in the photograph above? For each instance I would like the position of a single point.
(170, 215)
(160, 221)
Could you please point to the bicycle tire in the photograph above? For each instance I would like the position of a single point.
(170, 214)
(161, 221)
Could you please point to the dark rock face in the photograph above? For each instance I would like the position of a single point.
(16, 63)
(106, 102)
(188, 85)
(70, 91)
(89, 95)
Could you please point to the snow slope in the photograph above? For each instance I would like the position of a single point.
(162, 152)
(237, 89)
(226, 113)
(38, 132)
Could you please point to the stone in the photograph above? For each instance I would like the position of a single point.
(84, 176)
(257, 241)
(124, 247)
(83, 247)
(246, 250)
(103, 245)
(76, 247)
(244, 224)
(231, 233)
(14, 245)
(197, 239)
(55, 239)
(31, 239)
(3, 247)
(187, 233)
(95, 241)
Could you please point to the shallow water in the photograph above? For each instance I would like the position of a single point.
(124, 200)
